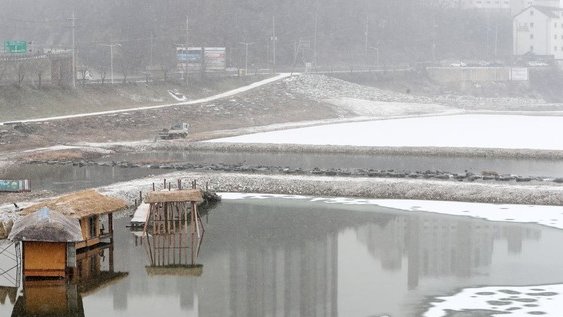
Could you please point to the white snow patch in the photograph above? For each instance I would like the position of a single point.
(69, 147)
(176, 95)
(550, 216)
(373, 108)
(479, 131)
(140, 215)
(504, 300)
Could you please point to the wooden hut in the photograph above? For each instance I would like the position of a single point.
(88, 207)
(46, 237)
(52, 232)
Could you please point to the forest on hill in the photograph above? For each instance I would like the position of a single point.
(324, 32)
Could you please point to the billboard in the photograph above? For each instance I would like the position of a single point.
(213, 58)
(15, 185)
(15, 47)
(520, 73)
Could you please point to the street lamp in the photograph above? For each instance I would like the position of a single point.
(246, 44)
(111, 57)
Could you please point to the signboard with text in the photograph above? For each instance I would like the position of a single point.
(15, 47)
(15, 185)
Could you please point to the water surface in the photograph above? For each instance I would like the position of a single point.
(278, 257)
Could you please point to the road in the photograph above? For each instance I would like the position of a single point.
(226, 94)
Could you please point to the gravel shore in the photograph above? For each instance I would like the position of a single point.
(352, 187)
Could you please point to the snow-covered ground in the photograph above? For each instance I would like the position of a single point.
(477, 131)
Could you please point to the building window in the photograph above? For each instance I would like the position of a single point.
(531, 12)
(531, 36)
(531, 24)
(531, 48)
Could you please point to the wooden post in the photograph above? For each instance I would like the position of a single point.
(192, 218)
(153, 187)
(164, 183)
(179, 185)
(110, 225)
(140, 197)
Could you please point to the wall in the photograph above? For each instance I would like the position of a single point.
(458, 74)
(44, 258)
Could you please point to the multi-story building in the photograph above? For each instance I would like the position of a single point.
(538, 30)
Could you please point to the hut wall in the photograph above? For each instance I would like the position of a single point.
(90, 233)
(47, 259)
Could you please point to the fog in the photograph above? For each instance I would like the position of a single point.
(325, 33)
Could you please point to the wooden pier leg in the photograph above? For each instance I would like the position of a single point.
(192, 218)
(110, 225)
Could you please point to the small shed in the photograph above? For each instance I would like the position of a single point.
(88, 207)
(47, 240)
(171, 220)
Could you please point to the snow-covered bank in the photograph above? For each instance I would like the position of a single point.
(477, 131)
(544, 215)
(356, 187)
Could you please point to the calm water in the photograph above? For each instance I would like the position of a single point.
(280, 257)
(522, 167)
(63, 178)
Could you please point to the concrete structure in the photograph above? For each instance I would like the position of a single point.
(538, 30)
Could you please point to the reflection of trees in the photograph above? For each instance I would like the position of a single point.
(439, 245)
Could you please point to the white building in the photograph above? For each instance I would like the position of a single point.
(538, 30)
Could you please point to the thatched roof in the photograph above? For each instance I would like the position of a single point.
(184, 195)
(46, 225)
(80, 204)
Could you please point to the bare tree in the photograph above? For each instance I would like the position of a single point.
(21, 71)
(103, 74)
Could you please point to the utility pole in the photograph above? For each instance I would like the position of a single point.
(111, 57)
(366, 33)
(187, 44)
(246, 44)
(274, 39)
(73, 67)
(315, 59)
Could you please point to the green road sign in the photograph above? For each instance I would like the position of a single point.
(15, 46)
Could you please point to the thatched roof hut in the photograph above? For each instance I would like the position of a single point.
(185, 195)
(48, 226)
(80, 204)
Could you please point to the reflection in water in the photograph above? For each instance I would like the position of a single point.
(440, 246)
(62, 297)
(277, 257)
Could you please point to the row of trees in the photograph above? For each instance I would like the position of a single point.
(332, 31)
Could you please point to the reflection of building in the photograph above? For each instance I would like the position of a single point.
(439, 246)
(298, 280)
